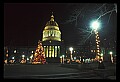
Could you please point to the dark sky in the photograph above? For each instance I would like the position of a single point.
(24, 22)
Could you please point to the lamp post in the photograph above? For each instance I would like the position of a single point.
(111, 56)
(71, 49)
(63, 58)
(95, 25)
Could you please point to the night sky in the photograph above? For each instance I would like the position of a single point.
(24, 22)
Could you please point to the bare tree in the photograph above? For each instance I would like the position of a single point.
(91, 11)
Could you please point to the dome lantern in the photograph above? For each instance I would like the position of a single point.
(52, 17)
(51, 22)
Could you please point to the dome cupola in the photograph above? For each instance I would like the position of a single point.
(51, 22)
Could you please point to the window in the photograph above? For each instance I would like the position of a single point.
(52, 33)
(49, 33)
(52, 51)
(55, 51)
(46, 51)
(49, 51)
(58, 50)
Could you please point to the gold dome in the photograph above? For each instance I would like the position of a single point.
(51, 31)
(51, 22)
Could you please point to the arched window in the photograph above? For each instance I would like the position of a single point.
(49, 33)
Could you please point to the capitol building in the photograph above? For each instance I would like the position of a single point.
(51, 41)
(55, 50)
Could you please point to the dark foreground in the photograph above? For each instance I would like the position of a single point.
(59, 71)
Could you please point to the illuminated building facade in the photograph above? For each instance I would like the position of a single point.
(52, 41)
(19, 53)
(51, 31)
(54, 47)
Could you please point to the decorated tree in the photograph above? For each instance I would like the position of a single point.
(39, 56)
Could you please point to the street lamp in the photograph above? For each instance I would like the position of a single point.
(95, 26)
(71, 49)
(110, 53)
(101, 56)
(63, 58)
(111, 56)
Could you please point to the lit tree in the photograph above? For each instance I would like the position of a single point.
(88, 11)
(39, 56)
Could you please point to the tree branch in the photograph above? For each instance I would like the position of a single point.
(105, 13)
